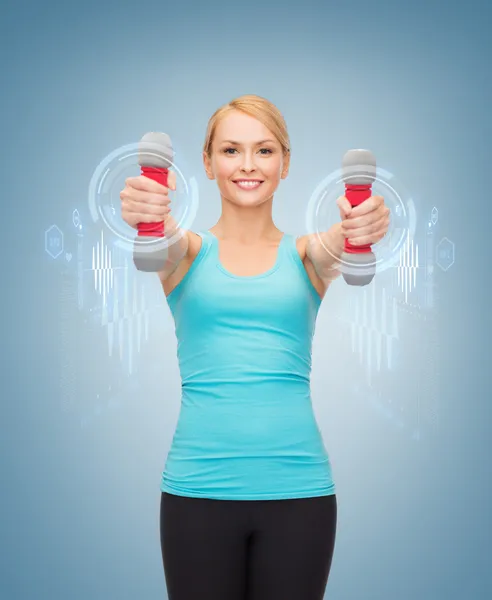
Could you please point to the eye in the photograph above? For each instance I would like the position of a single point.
(264, 151)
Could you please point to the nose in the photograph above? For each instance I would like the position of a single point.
(248, 163)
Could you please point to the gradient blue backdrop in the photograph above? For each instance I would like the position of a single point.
(412, 81)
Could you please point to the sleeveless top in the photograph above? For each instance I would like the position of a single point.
(246, 428)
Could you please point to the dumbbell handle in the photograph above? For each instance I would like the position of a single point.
(155, 229)
(356, 194)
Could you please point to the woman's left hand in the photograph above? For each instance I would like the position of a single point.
(366, 223)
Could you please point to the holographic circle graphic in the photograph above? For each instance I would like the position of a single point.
(322, 212)
(108, 180)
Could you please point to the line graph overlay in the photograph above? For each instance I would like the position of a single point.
(374, 327)
(126, 314)
(408, 266)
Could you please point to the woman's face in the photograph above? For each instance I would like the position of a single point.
(244, 150)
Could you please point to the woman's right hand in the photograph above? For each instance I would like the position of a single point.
(143, 200)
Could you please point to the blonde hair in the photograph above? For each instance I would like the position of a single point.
(254, 106)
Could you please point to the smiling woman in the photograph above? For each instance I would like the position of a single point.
(248, 504)
(244, 301)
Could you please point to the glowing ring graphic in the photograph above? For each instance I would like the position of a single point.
(403, 218)
(101, 184)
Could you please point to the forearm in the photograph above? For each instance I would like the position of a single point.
(175, 252)
(324, 251)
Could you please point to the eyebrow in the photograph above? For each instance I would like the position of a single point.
(239, 143)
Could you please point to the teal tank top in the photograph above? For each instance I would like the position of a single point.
(246, 429)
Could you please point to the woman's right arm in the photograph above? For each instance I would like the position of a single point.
(144, 200)
(173, 275)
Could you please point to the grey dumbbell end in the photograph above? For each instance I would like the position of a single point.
(361, 268)
(155, 149)
(147, 259)
(359, 167)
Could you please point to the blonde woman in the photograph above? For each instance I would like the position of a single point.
(248, 505)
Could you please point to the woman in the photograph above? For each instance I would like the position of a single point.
(248, 504)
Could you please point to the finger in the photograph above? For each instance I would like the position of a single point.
(148, 209)
(344, 206)
(135, 217)
(352, 223)
(142, 197)
(171, 180)
(365, 220)
(145, 217)
(365, 229)
(371, 217)
(373, 238)
(372, 203)
(146, 184)
(150, 219)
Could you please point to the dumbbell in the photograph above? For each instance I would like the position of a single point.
(358, 173)
(155, 155)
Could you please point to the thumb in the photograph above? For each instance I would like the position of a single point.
(171, 180)
(170, 225)
(344, 206)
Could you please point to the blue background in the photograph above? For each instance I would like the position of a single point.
(411, 81)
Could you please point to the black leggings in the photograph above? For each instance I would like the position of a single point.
(247, 549)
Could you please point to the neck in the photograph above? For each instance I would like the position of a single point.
(245, 224)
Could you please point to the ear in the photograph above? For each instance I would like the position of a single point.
(208, 166)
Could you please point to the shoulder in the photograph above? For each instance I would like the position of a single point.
(194, 246)
(301, 246)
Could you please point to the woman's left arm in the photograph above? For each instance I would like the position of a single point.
(323, 251)
(366, 223)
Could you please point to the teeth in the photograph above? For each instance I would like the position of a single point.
(248, 183)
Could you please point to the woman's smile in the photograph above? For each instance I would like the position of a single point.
(248, 184)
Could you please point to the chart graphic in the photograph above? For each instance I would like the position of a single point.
(108, 313)
(408, 267)
(391, 331)
(125, 315)
(374, 327)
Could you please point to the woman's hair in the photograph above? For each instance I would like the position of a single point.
(254, 106)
